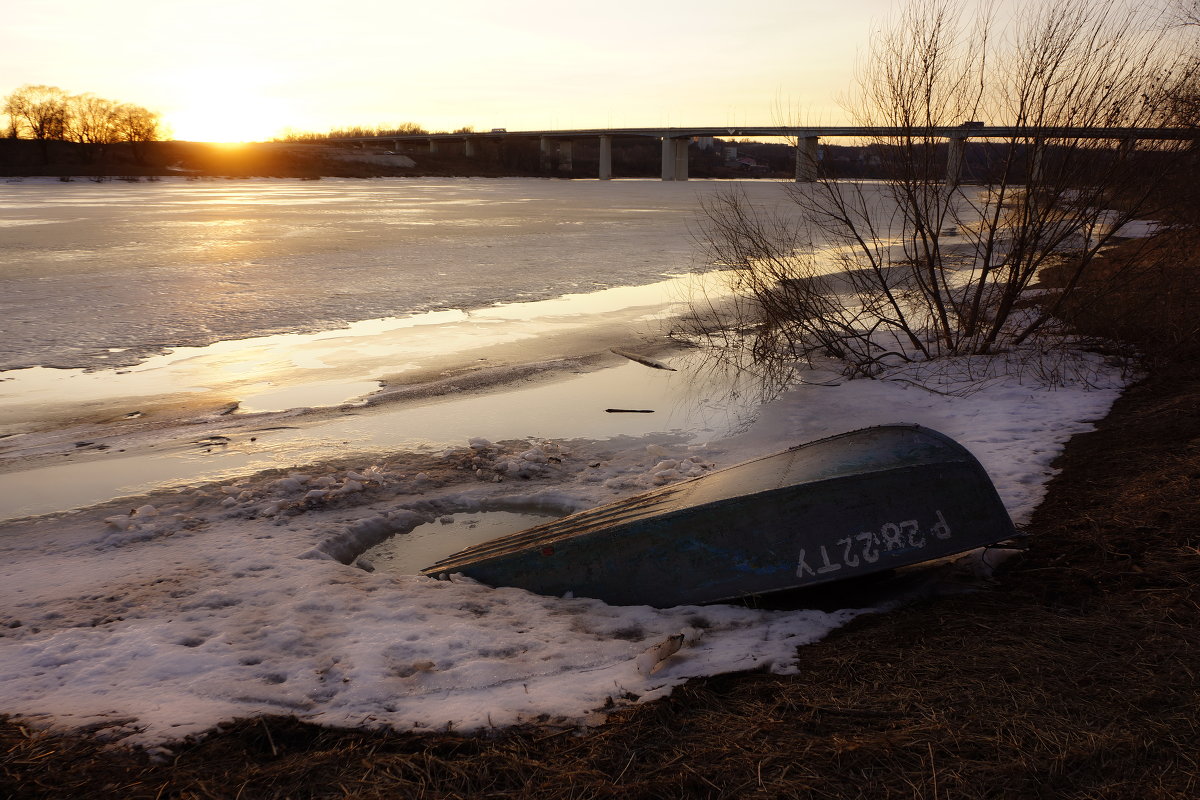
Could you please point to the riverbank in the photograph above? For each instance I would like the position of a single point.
(314, 160)
(1071, 675)
(206, 160)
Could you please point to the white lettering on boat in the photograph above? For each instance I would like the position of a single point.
(865, 547)
(849, 558)
(828, 566)
(869, 553)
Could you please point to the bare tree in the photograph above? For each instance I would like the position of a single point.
(137, 125)
(41, 112)
(47, 113)
(1186, 12)
(93, 124)
(925, 264)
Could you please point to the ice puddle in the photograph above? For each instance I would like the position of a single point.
(408, 554)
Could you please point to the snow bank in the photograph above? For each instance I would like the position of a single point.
(242, 599)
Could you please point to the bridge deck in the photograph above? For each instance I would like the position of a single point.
(837, 131)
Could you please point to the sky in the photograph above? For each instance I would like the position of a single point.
(238, 70)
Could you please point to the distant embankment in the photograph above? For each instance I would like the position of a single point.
(26, 158)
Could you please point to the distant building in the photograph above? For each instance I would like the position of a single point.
(749, 164)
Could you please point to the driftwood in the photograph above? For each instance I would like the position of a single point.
(649, 362)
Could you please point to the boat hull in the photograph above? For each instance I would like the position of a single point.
(843, 507)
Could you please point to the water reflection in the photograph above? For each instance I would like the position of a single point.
(700, 403)
(332, 367)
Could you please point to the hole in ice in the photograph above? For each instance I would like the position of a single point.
(409, 553)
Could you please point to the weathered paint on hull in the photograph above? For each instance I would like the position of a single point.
(837, 508)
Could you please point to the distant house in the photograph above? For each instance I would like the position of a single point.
(749, 164)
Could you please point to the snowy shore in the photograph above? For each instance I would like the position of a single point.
(224, 601)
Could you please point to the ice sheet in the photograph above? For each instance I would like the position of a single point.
(151, 266)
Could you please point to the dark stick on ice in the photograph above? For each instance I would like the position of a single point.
(629, 410)
(649, 362)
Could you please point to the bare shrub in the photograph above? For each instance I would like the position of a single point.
(930, 262)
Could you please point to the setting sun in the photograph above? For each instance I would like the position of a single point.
(234, 103)
(226, 119)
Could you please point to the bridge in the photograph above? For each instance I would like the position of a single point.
(675, 141)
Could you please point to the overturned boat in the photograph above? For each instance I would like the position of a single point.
(843, 507)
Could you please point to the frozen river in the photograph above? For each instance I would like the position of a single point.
(101, 274)
(139, 320)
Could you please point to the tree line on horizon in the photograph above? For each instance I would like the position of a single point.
(360, 131)
(48, 113)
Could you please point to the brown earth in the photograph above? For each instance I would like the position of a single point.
(1074, 674)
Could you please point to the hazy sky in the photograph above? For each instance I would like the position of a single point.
(245, 69)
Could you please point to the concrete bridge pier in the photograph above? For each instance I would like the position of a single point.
(681, 159)
(606, 158)
(1036, 165)
(954, 160)
(565, 162)
(433, 146)
(469, 148)
(807, 157)
(675, 159)
(544, 153)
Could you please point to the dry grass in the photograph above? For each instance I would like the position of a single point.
(1074, 675)
(1142, 293)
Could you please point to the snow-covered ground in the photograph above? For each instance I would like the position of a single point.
(227, 601)
(238, 591)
